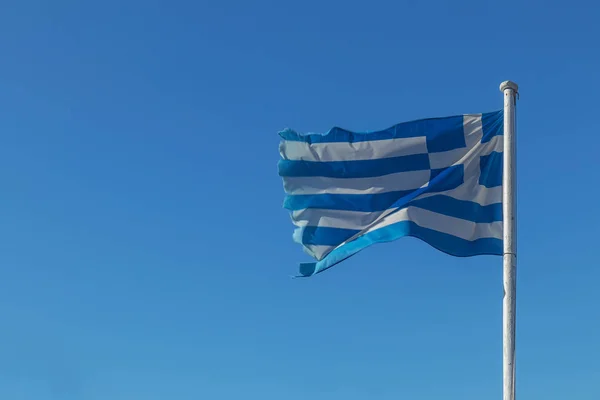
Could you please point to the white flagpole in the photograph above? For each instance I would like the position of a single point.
(510, 90)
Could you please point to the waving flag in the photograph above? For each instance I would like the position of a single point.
(439, 180)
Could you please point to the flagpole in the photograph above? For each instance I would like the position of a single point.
(510, 90)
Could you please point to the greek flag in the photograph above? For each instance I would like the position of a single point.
(437, 179)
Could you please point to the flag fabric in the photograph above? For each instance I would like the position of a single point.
(438, 179)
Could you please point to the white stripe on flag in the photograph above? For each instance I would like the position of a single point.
(316, 251)
(379, 184)
(345, 151)
(368, 222)
(337, 218)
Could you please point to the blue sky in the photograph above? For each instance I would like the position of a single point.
(144, 252)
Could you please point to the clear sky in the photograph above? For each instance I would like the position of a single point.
(144, 250)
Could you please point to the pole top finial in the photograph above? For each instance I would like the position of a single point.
(509, 85)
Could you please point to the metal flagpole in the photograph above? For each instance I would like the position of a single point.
(510, 90)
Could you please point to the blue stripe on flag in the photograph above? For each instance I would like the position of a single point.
(449, 244)
(350, 202)
(354, 169)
